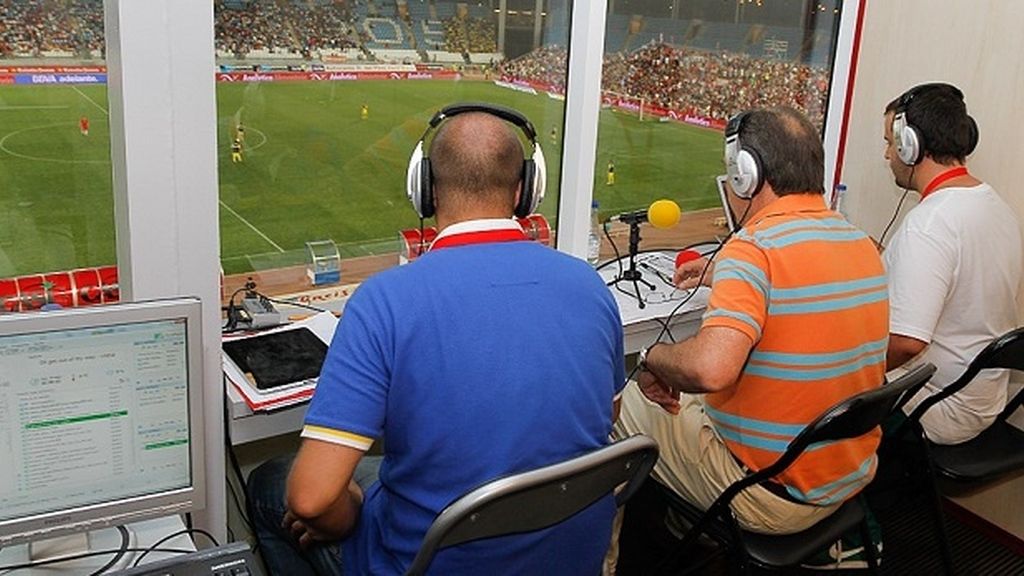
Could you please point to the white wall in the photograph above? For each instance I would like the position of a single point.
(977, 46)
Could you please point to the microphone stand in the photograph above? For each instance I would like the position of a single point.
(632, 274)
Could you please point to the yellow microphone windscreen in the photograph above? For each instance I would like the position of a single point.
(663, 214)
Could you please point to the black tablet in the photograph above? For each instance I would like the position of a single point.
(278, 358)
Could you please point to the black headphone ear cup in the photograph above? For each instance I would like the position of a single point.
(973, 138)
(525, 204)
(426, 189)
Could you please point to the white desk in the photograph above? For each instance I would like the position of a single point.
(641, 326)
(146, 533)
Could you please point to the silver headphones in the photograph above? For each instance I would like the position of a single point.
(419, 178)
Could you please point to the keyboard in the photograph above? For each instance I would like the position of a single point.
(234, 559)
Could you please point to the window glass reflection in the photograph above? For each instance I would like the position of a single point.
(321, 102)
(674, 72)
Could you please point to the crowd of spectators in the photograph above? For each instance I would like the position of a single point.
(469, 34)
(283, 27)
(710, 84)
(33, 27)
(546, 65)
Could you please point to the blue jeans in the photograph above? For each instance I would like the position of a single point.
(265, 492)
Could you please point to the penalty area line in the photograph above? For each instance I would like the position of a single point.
(251, 227)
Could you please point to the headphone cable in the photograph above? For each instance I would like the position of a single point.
(899, 206)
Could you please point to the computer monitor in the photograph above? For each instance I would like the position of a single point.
(100, 417)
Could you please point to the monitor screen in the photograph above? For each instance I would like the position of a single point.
(100, 417)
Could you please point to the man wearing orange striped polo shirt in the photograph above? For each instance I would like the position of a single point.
(797, 321)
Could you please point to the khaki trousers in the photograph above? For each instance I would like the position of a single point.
(696, 464)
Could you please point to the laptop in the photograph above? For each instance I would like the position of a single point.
(730, 218)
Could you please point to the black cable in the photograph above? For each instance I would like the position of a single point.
(243, 511)
(618, 257)
(125, 540)
(83, 555)
(691, 246)
(237, 469)
(899, 206)
(189, 531)
(232, 322)
(666, 324)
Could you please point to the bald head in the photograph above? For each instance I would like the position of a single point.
(476, 160)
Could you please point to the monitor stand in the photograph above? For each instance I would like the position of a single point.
(83, 542)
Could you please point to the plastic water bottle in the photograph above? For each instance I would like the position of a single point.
(839, 199)
(594, 236)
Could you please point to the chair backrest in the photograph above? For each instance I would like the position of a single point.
(539, 498)
(850, 418)
(1006, 351)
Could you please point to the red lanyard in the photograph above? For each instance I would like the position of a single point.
(938, 180)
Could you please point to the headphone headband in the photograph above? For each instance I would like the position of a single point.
(507, 114)
(904, 100)
(732, 128)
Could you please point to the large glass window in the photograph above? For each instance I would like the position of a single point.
(674, 72)
(57, 217)
(321, 102)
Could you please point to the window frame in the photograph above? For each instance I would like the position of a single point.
(161, 66)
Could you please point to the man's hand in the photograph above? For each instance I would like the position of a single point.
(689, 273)
(303, 533)
(659, 393)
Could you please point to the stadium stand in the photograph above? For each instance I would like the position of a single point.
(708, 69)
(710, 84)
(34, 28)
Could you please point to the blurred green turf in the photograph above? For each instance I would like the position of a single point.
(312, 170)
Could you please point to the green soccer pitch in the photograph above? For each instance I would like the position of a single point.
(312, 168)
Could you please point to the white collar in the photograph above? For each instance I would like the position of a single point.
(478, 225)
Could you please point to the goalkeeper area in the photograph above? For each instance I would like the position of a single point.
(314, 167)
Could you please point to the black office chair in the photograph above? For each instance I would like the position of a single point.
(850, 418)
(996, 452)
(539, 498)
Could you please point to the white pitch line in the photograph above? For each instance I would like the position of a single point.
(249, 224)
(2, 108)
(93, 102)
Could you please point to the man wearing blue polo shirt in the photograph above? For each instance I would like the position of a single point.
(487, 356)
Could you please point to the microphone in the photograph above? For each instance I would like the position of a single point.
(661, 214)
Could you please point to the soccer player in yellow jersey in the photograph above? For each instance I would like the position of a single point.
(236, 151)
(611, 173)
(364, 112)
